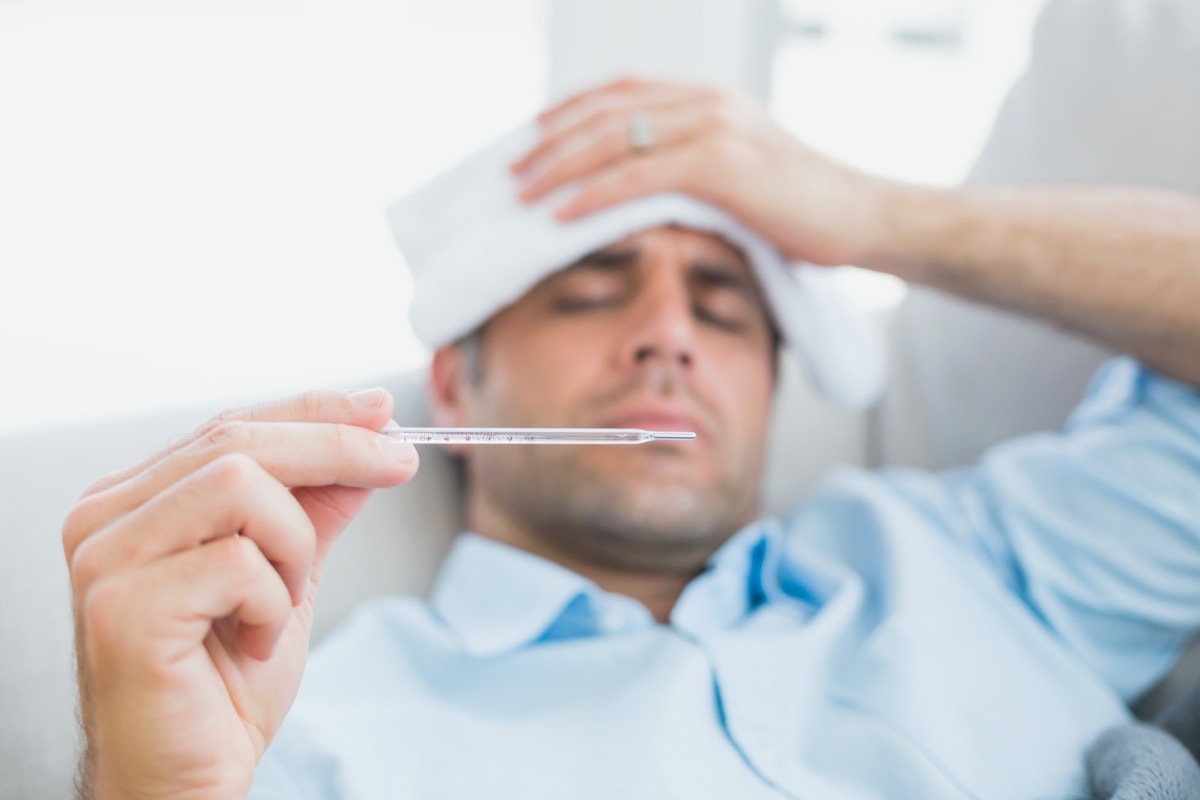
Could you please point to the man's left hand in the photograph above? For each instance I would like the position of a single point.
(713, 144)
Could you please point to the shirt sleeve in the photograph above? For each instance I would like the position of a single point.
(271, 782)
(1097, 528)
(292, 770)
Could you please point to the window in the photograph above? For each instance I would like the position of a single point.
(903, 88)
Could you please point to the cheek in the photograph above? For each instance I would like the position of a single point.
(744, 384)
(541, 378)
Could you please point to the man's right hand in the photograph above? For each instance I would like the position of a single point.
(194, 575)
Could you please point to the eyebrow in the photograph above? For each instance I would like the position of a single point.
(609, 258)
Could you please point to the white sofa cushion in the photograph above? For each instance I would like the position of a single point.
(393, 546)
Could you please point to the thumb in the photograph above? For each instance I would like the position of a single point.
(330, 508)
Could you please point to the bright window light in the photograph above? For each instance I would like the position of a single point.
(904, 88)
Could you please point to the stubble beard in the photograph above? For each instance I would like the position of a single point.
(620, 520)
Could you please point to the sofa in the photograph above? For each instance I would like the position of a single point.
(1109, 96)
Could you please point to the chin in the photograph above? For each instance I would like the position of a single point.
(634, 510)
(655, 520)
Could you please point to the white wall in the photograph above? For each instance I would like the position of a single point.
(192, 193)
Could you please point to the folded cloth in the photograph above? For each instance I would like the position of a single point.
(473, 248)
(1145, 762)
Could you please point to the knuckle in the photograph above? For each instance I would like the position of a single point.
(615, 135)
(100, 485)
(242, 556)
(221, 418)
(102, 610)
(83, 566)
(719, 116)
(343, 440)
(553, 175)
(80, 523)
(233, 471)
(637, 175)
(719, 149)
(228, 436)
(613, 127)
(312, 405)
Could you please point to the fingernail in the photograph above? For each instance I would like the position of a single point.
(368, 399)
(401, 452)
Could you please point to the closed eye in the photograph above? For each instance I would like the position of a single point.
(569, 304)
(600, 281)
(734, 323)
(725, 297)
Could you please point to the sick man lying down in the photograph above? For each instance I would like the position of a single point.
(622, 621)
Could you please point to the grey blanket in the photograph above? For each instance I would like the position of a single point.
(1159, 761)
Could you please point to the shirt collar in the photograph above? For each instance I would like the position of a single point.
(741, 575)
(497, 598)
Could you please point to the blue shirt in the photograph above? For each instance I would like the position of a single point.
(902, 634)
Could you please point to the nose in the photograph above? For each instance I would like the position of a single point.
(661, 327)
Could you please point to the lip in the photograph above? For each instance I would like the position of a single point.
(657, 418)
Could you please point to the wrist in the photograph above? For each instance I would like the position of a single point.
(907, 224)
(97, 779)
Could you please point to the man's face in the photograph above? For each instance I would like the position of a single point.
(664, 330)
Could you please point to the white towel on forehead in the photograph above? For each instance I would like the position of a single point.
(474, 248)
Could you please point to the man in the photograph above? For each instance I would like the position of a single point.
(618, 623)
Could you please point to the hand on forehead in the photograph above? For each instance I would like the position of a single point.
(474, 247)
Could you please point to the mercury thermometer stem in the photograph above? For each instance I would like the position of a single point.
(534, 435)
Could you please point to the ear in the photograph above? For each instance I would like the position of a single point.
(448, 390)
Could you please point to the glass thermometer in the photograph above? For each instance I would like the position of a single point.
(534, 435)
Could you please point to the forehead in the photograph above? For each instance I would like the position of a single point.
(676, 242)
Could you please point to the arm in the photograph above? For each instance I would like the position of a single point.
(1097, 528)
(1120, 264)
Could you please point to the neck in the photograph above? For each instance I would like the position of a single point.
(657, 589)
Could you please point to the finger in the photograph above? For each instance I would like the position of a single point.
(295, 454)
(233, 494)
(330, 508)
(161, 612)
(626, 89)
(367, 408)
(630, 179)
(603, 139)
(617, 106)
(572, 103)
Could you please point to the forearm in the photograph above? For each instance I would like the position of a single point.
(1119, 264)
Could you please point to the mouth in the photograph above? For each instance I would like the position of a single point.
(657, 419)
